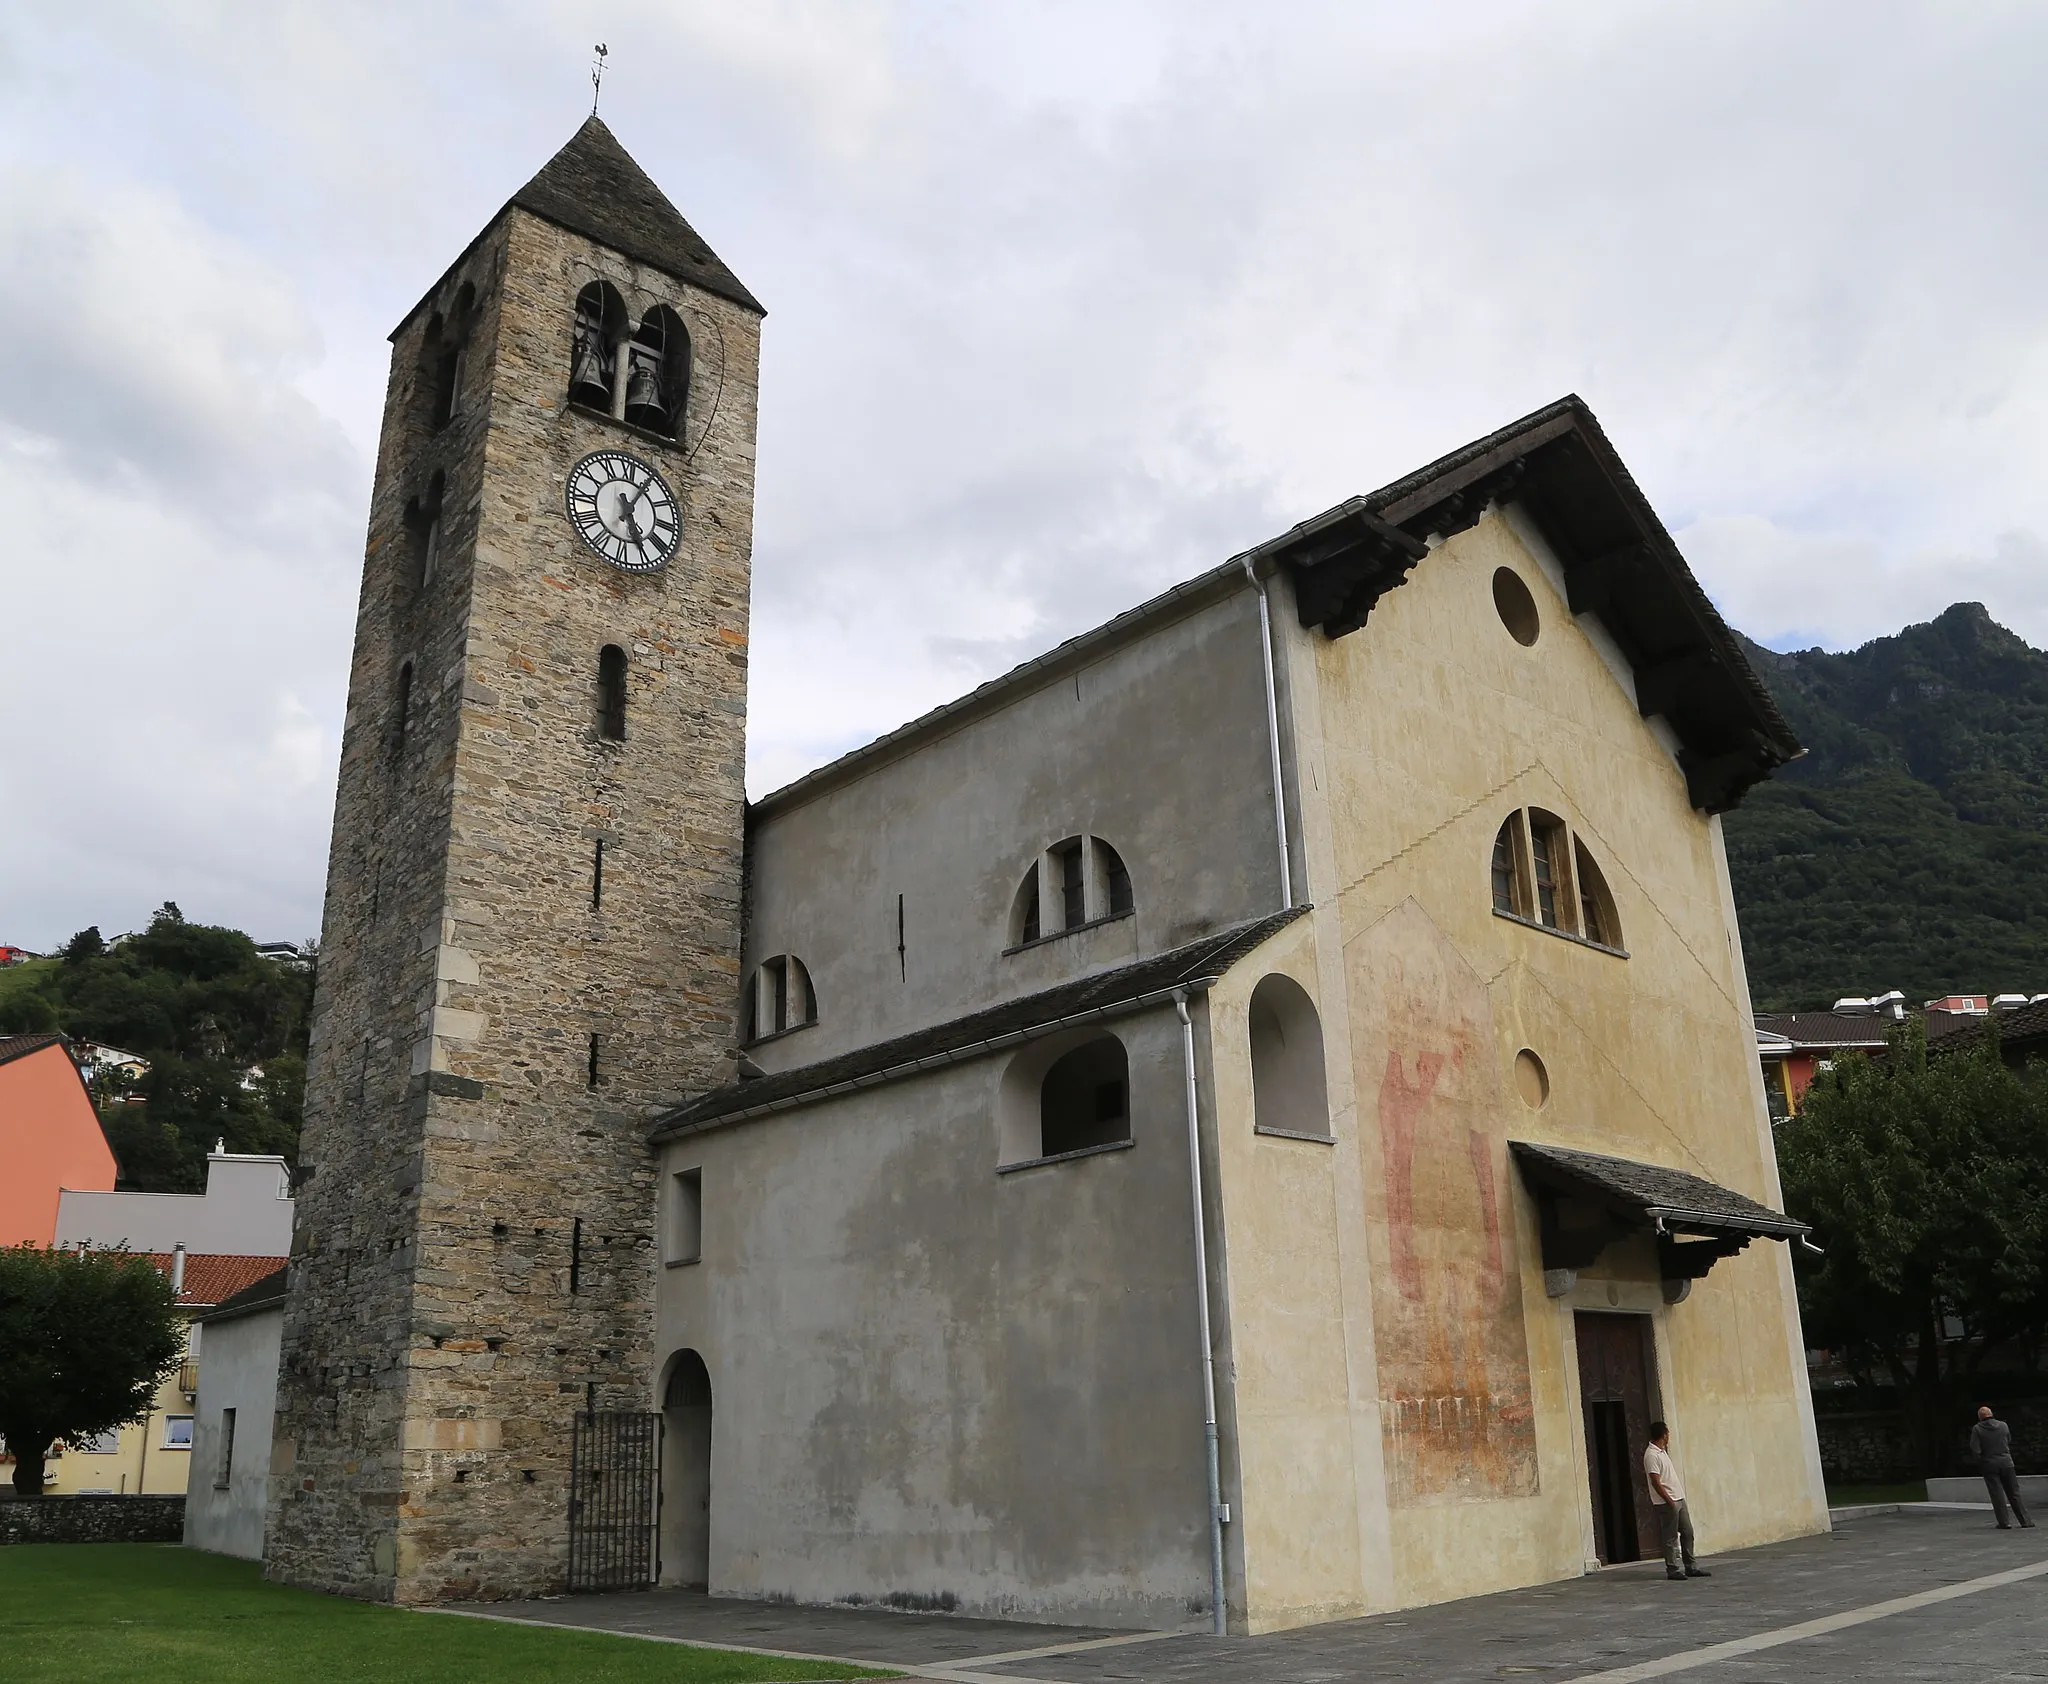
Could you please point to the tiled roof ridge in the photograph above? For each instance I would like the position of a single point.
(212, 1277)
(1192, 965)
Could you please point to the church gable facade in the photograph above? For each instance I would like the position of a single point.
(1243, 1119)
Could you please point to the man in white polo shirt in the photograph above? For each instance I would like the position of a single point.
(1667, 1499)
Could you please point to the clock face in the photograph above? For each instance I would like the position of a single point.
(624, 511)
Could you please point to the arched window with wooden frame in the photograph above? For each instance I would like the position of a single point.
(1075, 884)
(423, 525)
(442, 351)
(1542, 873)
(779, 998)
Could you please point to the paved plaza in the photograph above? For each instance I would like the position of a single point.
(1933, 1595)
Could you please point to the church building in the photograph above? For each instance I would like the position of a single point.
(1242, 1120)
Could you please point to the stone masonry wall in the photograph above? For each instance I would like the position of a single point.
(92, 1520)
(435, 1355)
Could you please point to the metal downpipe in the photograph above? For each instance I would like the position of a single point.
(1219, 1609)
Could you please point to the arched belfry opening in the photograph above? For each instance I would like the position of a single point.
(658, 381)
(598, 337)
(686, 1473)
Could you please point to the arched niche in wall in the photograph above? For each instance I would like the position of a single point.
(1066, 1093)
(1289, 1090)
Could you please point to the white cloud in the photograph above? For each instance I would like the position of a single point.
(1067, 301)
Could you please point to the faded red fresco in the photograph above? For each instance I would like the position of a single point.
(1453, 1354)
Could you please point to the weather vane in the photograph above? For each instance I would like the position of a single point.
(597, 77)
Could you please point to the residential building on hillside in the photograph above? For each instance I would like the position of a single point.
(1794, 1047)
(1250, 1113)
(50, 1137)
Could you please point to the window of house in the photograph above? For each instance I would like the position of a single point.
(1596, 905)
(1542, 873)
(96, 1444)
(1547, 857)
(1507, 877)
(1116, 879)
(1074, 884)
(223, 1473)
(177, 1432)
(686, 1216)
(779, 998)
(1025, 924)
(611, 693)
(1288, 1090)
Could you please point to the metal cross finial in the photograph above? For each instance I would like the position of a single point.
(597, 77)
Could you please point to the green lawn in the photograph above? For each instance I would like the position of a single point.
(1848, 1496)
(156, 1614)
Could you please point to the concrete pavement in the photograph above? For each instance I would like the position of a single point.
(1936, 1595)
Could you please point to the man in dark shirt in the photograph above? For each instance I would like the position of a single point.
(1991, 1444)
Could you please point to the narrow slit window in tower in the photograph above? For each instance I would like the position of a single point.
(611, 693)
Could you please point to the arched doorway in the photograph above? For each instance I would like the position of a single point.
(686, 1473)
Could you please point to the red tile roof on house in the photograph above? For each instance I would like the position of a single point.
(212, 1278)
(19, 1046)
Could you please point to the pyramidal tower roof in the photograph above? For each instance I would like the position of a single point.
(592, 187)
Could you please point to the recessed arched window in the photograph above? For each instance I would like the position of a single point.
(1067, 1093)
(658, 380)
(1289, 1095)
(1072, 885)
(424, 530)
(779, 998)
(596, 341)
(611, 693)
(442, 351)
(1544, 874)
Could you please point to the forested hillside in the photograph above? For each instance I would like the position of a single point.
(222, 1027)
(1909, 849)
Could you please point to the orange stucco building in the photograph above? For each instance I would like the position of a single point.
(50, 1137)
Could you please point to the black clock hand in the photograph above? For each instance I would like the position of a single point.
(626, 501)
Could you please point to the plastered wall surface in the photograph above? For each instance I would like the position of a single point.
(1107, 750)
(240, 1373)
(434, 1355)
(1415, 738)
(980, 1387)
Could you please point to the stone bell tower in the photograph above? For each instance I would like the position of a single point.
(532, 921)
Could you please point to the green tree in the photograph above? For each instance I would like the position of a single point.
(1926, 1181)
(222, 1027)
(85, 1339)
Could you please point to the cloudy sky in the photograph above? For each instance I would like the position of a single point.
(1066, 302)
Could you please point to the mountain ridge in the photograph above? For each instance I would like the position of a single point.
(1909, 847)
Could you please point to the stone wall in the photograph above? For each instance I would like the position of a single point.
(475, 1252)
(92, 1520)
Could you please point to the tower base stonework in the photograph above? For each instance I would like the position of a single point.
(532, 923)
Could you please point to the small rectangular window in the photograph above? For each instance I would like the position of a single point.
(597, 877)
(611, 693)
(177, 1432)
(1507, 868)
(1119, 880)
(225, 1472)
(686, 1217)
(775, 977)
(590, 1074)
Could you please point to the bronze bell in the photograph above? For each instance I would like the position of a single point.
(590, 379)
(645, 403)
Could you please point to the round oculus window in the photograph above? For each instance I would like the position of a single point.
(1516, 607)
(1532, 1081)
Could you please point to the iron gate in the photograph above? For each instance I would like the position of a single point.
(614, 1479)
